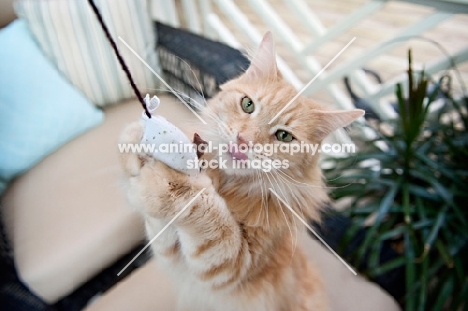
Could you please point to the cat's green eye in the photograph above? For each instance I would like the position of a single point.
(284, 136)
(247, 105)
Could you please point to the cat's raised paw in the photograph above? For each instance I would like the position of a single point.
(130, 160)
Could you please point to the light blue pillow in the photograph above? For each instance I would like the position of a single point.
(39, 109)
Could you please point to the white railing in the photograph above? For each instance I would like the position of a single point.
(200, 18)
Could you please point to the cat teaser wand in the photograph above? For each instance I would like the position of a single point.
(158, 130)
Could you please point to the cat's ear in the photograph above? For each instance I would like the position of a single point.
(263, 63)
(329, 121)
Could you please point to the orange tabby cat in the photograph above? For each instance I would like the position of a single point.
(234, 247)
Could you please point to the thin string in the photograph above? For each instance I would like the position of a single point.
(119, 57)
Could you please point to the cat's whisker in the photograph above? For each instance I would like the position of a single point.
(266, 201)
(279, 203)
(208, 111)
(183, 95)
(201, 107)
(190, 100)
(222, 126)
(285, 197)
(291, 180)
(294, 196)
(205, 108)
(285, 182)
(288, 179)
(196, 78)
(293, 219)
(202, 95)
(302, 184)
(256, 175)
(264, 196)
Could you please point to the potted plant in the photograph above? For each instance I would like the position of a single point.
(408, 189)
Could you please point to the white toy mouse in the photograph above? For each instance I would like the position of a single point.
(159, 131)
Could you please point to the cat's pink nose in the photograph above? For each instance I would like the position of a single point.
(241, 140)
(239, 150)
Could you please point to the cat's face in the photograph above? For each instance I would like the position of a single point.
(250, 110)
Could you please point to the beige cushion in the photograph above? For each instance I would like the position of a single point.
(67, 217)
(149, 289)
(146, 289)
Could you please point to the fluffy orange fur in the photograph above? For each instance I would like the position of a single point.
(234, 247)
